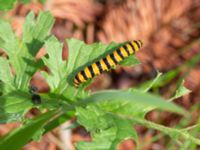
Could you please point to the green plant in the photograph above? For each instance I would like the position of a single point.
(108, 115)
(9, 4)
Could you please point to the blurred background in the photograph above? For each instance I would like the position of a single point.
(170, 30)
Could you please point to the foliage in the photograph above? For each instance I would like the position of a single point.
(6, 5)
(108, 115)
(21, 53)
(9, 4)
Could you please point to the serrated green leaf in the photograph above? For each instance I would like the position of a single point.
(125, 131)
(55, 63)
(106, 130)
(90, 118)
(134, 97)
(6, 4)
(5, 25)
(22, 61)
(6, 76)
(21, 54)
(14, 105)
(5, 72)
(102, 142)
(8, 38)
(36, 31)
(80, 56)
(181, 90)
(125, 107)
(20, 136)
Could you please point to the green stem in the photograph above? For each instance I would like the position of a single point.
(166, 130)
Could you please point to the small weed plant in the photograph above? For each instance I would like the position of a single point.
(109, 116)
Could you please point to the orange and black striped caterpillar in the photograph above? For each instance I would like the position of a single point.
(106, 63)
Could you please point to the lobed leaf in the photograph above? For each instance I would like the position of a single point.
(14, 105)
(180, 91)
(55, 63)
(21, 54)
(80, 56)
(6, 76)
(35, 32)
(106, 130)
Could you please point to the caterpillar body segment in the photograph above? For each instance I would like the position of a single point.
(106, 63)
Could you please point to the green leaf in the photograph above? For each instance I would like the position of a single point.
(57, 121)
(181, 90)
(16, 52)
(26, 1)
(14, 105)
(10, 117)
(80, 56)
(8, 39)
(148, 85)
(130, 61)
(6, 76)
(189, 144)
(14, 86)
(5, 72)
(134, 97)
(91, 119)
(161, 80)
(43, 1)
(36, 31)
(172, 132)
(124, 107)
(106, 130)
(38, 135)
(20, 136)
(55, 63)
(21, 54)
(6, 4)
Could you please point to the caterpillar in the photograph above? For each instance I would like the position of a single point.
(106, 63)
